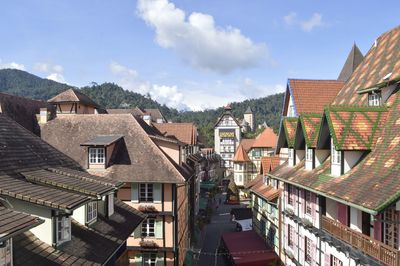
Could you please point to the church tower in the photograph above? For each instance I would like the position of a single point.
(249, 118)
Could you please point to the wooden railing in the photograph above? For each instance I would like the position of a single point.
(373, 248)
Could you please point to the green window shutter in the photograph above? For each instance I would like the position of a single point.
(160, 260)
(135, 192)
(138, 232)
(138, 259)
(159, 228)
(157, 193)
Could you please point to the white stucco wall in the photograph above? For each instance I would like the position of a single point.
(300, 155)
(331, 209)
(355, 219)
(320, 156)
(80, 215)
(350, 159)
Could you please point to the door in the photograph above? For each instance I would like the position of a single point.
(366, 223)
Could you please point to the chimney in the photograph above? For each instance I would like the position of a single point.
(147, 119)
(43, 116)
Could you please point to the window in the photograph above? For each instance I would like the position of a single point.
(149, 259)
(391, 228)
(240, 166)
(308, 202)
(374, 99)
(335, 261)
(110, 204)
(290, 236)
(290, 153)
(290, 194)
(336, 155)
(6, 258)
(148, 227)
(146, 193)
(96, 155)
(63, 226)
(308, 250)
(309, 154)
(91, 211)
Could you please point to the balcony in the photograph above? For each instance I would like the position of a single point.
(385, 254)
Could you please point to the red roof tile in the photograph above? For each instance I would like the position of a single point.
(241, 155)
(266, 139)
(184, 132)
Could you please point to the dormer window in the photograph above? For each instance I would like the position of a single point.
(374, 99)
(63, 229)
(96, 156)
(91, 212)
(6, 256)
(336, 156)
(309, 154)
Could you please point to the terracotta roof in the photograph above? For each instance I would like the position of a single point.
(265, 191)
(269, 163)
(311, 96)
(266, 139)
(72, 96)
(310, 124)
(289, 126)
(355, 128)
(247, 144)
(154, 113)
(259, 178)
(13, 222)
(184, 132)
(241, 155)
(380, 61)
(353, 60)
(136, 158)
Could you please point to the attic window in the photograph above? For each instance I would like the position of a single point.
(374, 98)
(63, 228)
(96, 156)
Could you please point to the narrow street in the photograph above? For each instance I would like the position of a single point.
(220, 223)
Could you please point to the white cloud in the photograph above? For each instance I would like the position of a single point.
(12, 65)
(313, 22)
(197, 40)
(306, 25)
(53, 71)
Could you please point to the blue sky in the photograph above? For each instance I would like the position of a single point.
(189, 53)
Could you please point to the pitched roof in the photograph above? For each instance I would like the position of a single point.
(380, 61)
(102, 140)
(227, 112)
(13, 222)
(354, 58)
(310, 124)
(135, 158)
(265, 191)
(247, 144)
(155, 113)
(266, 139)
(269, 163)
(311, 96)
(241, 155)
(72, 96)
(355, 128)
(289, 126)
(248, 110)
(184, 132)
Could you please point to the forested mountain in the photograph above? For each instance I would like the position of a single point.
(110, 95)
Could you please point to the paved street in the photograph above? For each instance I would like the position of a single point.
(220, 223)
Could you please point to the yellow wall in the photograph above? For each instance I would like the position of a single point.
(171, 149)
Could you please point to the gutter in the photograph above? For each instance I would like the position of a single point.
(373, 212)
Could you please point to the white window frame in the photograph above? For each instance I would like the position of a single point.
(110, 203)
(374, 99)
(146, 192)
(97, 155)
(149, 228)
(6, 253)
(336, 156)
(149, 259)
(91, 212)
(63, 229)
(309, 154)
(290, 153)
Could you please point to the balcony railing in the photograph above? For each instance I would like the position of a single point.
(373, 248)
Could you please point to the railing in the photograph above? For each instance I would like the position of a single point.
(373, 248)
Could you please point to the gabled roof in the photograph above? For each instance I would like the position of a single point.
(310, 124)
(269, 163)
(247, 144)
(262, 190)
(184, 132)
(311, 96)
(73, 96)
(241, 155)
(379, 63)
(248, 110)
(354, 58)
(136, 158)
(227, 112)
(355, 128)
(13, 223)
(289, 126)
(266, 139)
(155, 113)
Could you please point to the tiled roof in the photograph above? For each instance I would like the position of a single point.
(154, 113)
(136, 158)
(241, 155)
(311, 124)
(247, 144)
(269, 163)
(311, 96)
(72, 96)
(266, 139)
(353, 60)
(355, 128)
(380, 61)
(184, 132)
(290, 125)
(102, 140)
(13, 222)
(265, 191)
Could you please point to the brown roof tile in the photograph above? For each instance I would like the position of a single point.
(72, 96)
(269, 163)
(184, 132)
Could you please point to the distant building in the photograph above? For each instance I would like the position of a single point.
(248, 120)
(153, 115)
(227, 137)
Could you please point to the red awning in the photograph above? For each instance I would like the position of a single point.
(248, 248)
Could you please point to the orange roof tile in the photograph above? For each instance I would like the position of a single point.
(241, 155)
(266, 139)
(290, 126)
(184, 132)
(311, 124)
(247, 144)
(269, 163)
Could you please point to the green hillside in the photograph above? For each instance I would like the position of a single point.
(110, 95)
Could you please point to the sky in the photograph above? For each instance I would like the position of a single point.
(188, 54)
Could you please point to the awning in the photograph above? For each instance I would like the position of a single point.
(207, 185)
(103, 140)
(248, 248)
